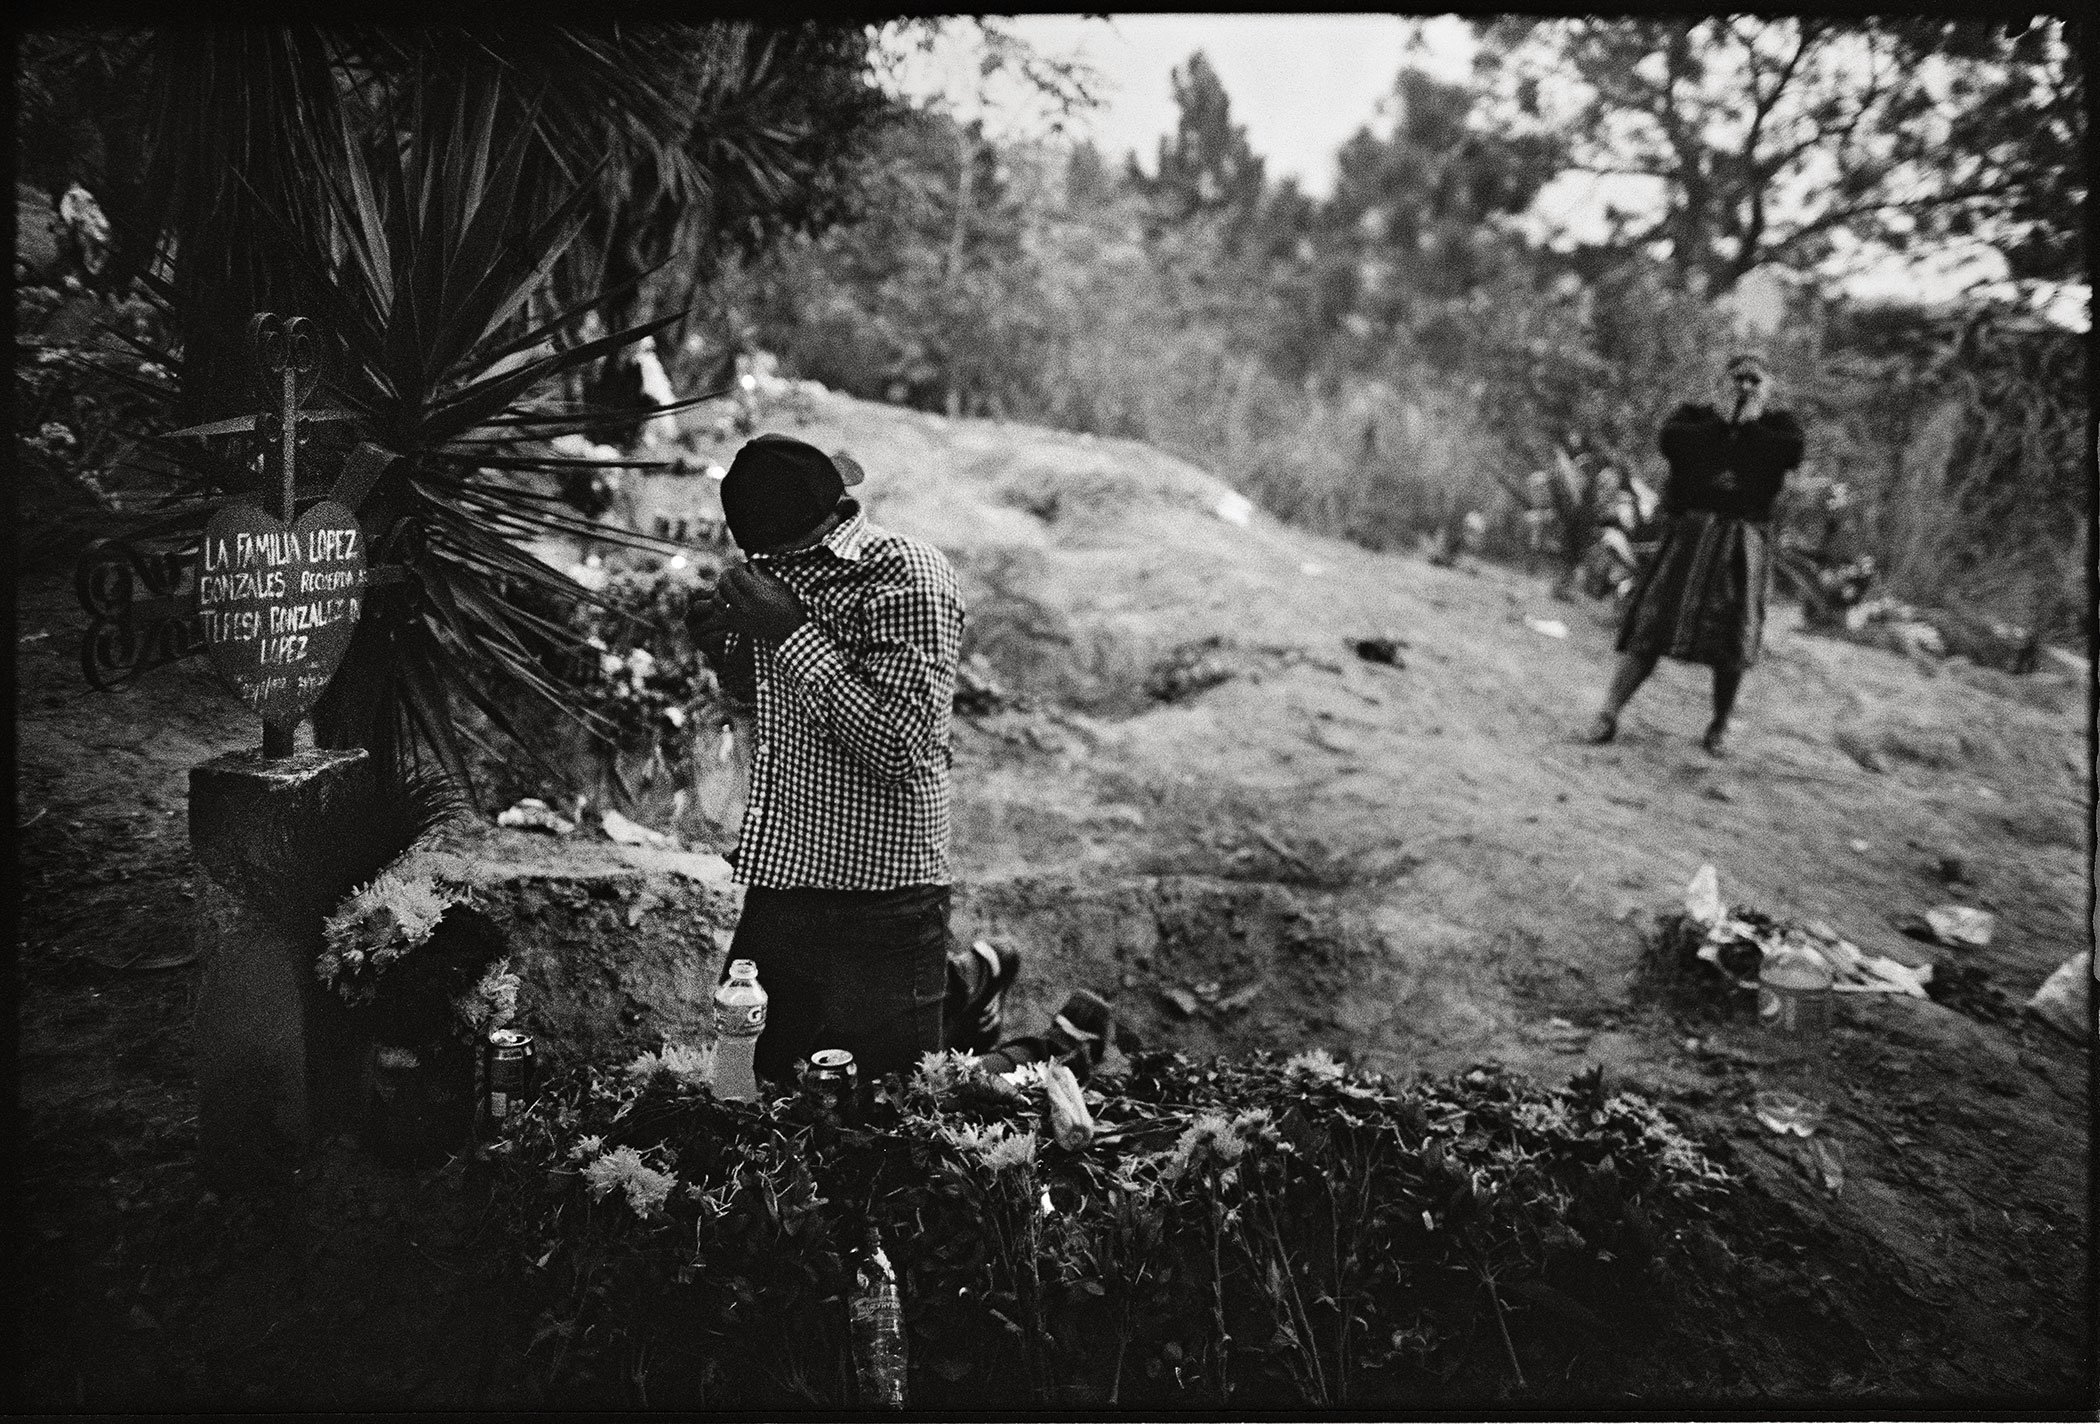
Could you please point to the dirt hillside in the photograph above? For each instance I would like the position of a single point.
(1200, 800)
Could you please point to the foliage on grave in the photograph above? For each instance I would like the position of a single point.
(417, 964)
(377, 924)
(1255, 1230)
(641, 672)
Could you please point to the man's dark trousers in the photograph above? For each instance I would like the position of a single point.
(862, 970)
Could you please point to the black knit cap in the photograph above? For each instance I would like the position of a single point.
(779, 488)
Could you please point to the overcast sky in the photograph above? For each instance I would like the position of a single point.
(1301, 85)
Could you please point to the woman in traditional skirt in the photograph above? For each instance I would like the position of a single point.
(1701, 598)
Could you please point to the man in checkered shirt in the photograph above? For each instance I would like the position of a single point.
(844, 638)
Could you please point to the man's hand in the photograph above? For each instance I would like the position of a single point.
(752, 602)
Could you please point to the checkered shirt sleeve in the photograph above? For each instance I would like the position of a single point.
(851, 754)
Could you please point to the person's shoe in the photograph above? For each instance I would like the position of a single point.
(1602, 730)
(1715, 739)
(980, 1033)
(1082, 1031)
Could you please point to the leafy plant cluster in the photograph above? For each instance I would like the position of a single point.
(638, 670)
(73, 428)
(484, 228)
(418, 965)
(1258, 1230)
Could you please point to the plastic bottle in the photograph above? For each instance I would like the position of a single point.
(878, 1332)
(740, 1017)
(1794, 1000)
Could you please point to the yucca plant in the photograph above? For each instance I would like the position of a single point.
(447, 204)
(419, 250)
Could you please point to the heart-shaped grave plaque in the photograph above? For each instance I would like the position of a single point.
(278, 603)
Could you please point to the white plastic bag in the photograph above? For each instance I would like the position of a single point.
(1070, 1122)
(1702, 898)
(722, 775)
(2062, 1001)
(1960, 926)
(627, 832)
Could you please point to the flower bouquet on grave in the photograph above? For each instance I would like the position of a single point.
(427, 977)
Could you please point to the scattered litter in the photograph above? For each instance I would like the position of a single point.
(1183, 1001)
(1702, 898)
(1234, 508)
(533, 814)
(1879, 975)
(1551, 627)
(1379, 650)
(1787, 1113)
(1960, 926)
(1830, 1164)
(1917, 640)
(1735, 942)
(1070, 1122)
(32, 637)
(2062, 1000)
(628, 832)
(2080, 668)
(1563, 1036)
(978, 691)
(577, 446)
(1861, 847)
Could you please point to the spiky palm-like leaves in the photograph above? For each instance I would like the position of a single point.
(422, 245)
(423, 256)
(452, 205)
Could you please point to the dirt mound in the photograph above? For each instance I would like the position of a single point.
(618, 947)
(1201, 801)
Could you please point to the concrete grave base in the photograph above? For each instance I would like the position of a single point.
(277, 843)
(618, 947)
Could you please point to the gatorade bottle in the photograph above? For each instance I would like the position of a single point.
(1794, 1000)
(740, 1017)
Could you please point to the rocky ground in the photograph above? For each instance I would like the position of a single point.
(1194, 795)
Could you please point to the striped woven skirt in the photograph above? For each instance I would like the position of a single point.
(1701, 597)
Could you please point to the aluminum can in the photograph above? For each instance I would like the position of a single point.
(836, 1076)
(1794, 1001)
(508, 1073)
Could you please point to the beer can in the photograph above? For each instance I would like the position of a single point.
(837, 1078)
(508, 1072)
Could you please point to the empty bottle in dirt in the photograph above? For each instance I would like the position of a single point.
(1794, 1000)
(740, 1017)
(877, 1314)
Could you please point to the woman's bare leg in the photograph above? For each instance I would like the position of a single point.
(1626, 679)
(1728, 681)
